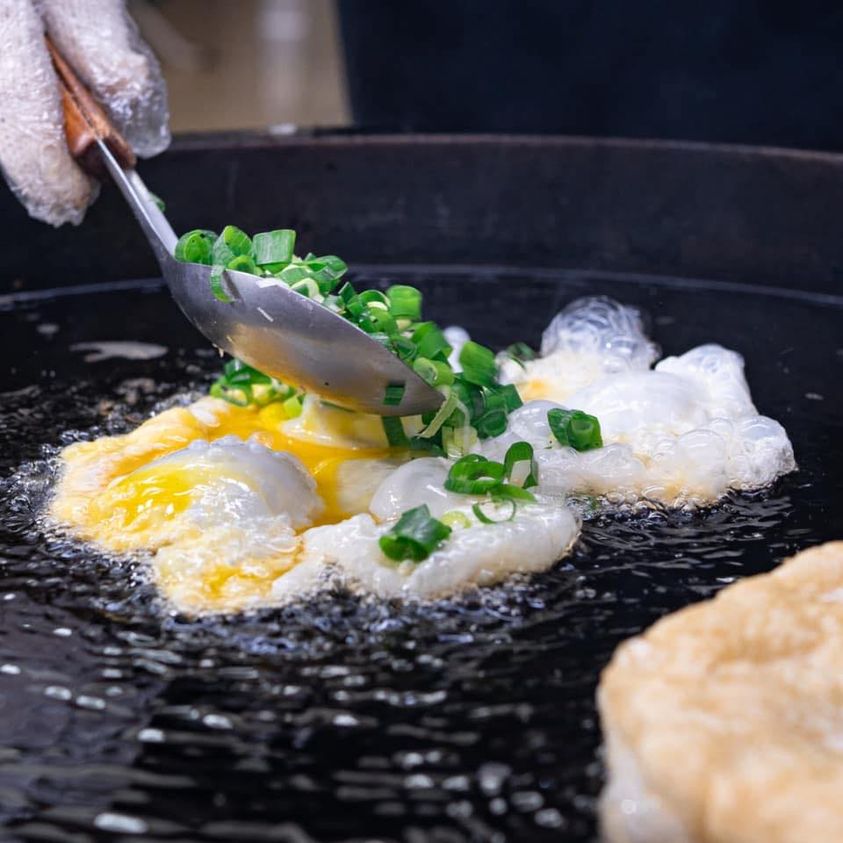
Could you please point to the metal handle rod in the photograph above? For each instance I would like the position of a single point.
(155, 225)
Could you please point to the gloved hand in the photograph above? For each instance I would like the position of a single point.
(100, 41)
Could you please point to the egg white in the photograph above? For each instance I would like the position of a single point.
(419, 482)
(476, 555)
(681, 434)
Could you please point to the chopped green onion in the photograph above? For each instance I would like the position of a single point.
(293, 406)
(491, 424)
(220, 253)
(242, 385)
(520, 465)
(231, 243)
(477, 405)
(274, 248)
(263, 395)
(416, 535)
(307, 287)
(471, 397)
(478, 364)
(159, 202)
(295, 272)
(336, 266)
(376, 320)
(575, 429)
(434, 372)
(346, 293)
(383, 339)
(393, 427)
(237, 240)
(430, 341)
(394, 394)
(274, 269)
(404, 348)
(196, 246)
(435, 424)
(217, 288)
(328, 268)
(458, 440)
(508, 492)
(239, 396)
(474, 475)
(376, 297)
(350, 301)
(481, 516)
(243, 263)
(455, 518)
(511, 398)
(404, 302)
(354, 309)
(239, 372)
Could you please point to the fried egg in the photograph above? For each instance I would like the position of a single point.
(245, 506)
(723, 722)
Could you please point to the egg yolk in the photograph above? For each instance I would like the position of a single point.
(143, 499)
(534, 390)
(319, 456)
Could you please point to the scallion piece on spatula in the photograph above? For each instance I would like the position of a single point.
(274, 248)
(196, 246)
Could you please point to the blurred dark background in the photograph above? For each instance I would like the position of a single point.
(735, 71)
(722, 70)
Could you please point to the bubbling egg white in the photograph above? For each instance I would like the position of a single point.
(680, 434)
(590, 338)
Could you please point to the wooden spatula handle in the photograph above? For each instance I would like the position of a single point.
(85, 122)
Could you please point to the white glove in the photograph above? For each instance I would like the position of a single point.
(101, 43)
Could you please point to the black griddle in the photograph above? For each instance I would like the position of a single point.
(470, 719)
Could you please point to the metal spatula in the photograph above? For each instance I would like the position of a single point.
(276, 330)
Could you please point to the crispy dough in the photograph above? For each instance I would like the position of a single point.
(724, 722)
